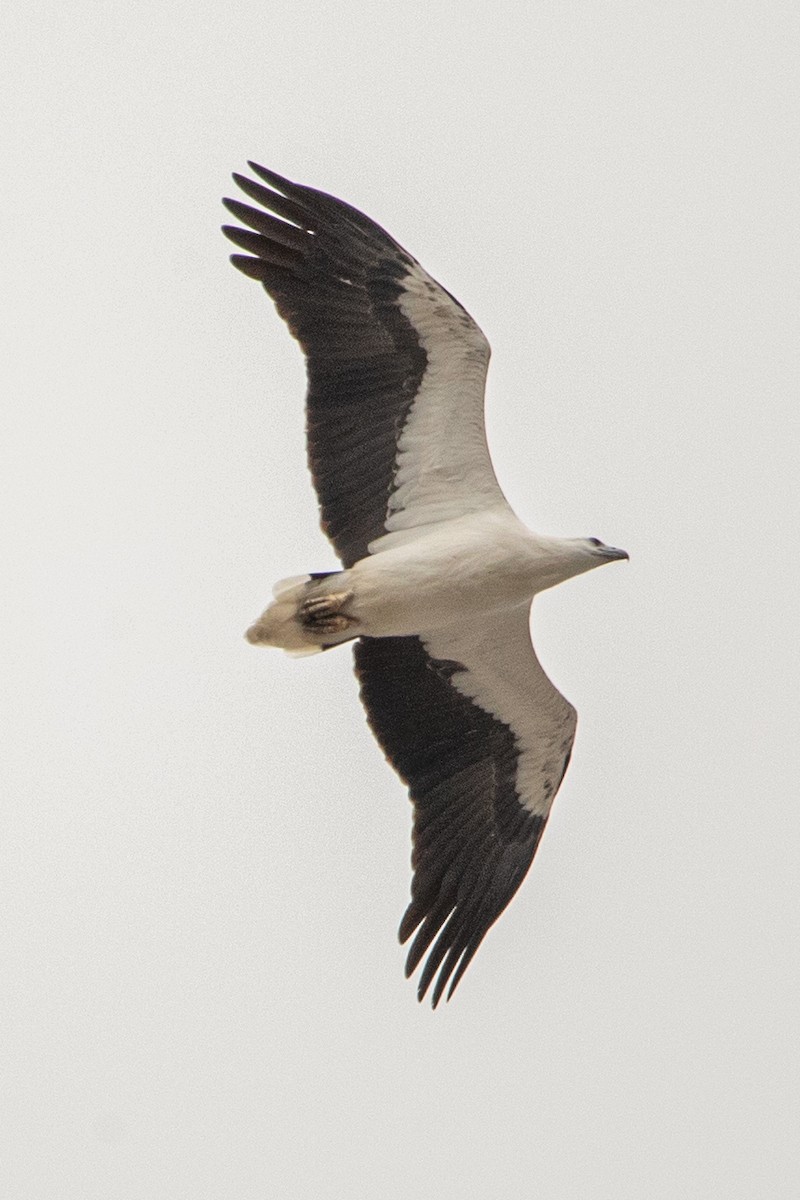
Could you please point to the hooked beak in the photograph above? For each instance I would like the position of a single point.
(612, 553)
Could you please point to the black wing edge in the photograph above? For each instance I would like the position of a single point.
(335, 277)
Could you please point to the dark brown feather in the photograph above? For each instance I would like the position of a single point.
(335, 277)
(473, 838)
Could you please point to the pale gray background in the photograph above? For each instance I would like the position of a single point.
(204, 855)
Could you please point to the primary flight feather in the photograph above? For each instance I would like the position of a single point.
(439, 574)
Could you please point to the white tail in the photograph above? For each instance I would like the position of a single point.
(279, 624)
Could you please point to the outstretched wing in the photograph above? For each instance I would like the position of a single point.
(396, 367)
(473, 725)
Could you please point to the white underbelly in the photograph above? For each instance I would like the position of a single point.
(458, 571)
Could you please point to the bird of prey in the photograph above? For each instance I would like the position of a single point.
(438, 574)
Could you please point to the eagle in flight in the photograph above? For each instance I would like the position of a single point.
(438, 574)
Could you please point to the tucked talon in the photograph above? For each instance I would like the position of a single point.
(324, 614)
(335, 624)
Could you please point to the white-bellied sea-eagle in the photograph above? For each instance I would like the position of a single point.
(438, 573)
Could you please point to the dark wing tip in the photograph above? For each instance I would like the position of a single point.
(253, 242)
(411, 919)
(242, 181)
(449, 932)
(234, 206)
(255, 268)
(294, 210)
(270, 252)
(271, 177)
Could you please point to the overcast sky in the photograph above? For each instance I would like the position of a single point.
(205, 857)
